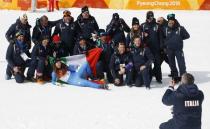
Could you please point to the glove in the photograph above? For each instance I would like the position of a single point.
(129, 66)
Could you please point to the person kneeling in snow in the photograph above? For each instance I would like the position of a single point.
(143, 59)
(121, 64)
(39, 62)
(17, 57)
(187, 102)
(73, 75)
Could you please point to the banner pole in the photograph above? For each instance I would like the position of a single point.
(33, 5)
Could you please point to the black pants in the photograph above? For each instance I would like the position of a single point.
(168, 125)
(143, 78)
(179, 56)
(156, 71)
(102, 67)
(70, 49)
(40, 66)
(172, 125)
(163, 57)
(128, 80)
(19, 77)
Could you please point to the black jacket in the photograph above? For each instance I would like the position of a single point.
(161, 33)
(39, 31)
(116, 60)
(174, 37)
(152, 40)
(18, 26)
(86, 26)
(79, 50)
(60, 50)
(67, 33)
(40, 52)
(131, 35)
(187, 106)
(13, 55)
(142, 56)
(116, 30)
(107, 51)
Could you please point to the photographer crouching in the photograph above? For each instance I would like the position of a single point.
(187, 104)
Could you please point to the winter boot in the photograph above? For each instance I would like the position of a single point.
(40, 80)
(104, 86)
(7, 77)
(31, 79)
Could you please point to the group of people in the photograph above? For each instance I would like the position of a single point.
(125, 59)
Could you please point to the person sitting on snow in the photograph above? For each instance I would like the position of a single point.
(73, 74)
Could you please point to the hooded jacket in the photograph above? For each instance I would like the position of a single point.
(67, 33)
(174, 36)
(153, 39)
(14, 54)
(116, 30)
(187, 106)
(18, 26)
(86, 26)
(142, 56)
(39, 31)
(118, 59)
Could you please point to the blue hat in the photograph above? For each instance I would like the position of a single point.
(103, 34)
(171, 16)
(81, 37)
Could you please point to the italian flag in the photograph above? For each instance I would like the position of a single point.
(91, 57)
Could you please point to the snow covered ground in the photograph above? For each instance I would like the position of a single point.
(33, 106)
